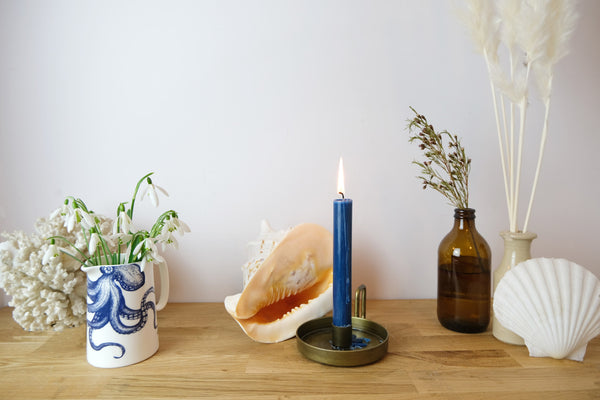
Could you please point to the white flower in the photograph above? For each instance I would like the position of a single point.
(141, 244)
(62, 210)
(169, 240)
(121, 237)
(147, 245)
(153, 257)
(87, 220)
(122, 224)
(70, 219)
(50, 253)
(170, 226)
(150, 252)
(93, 245)
(150, 191)
(166, 238)
(181, 226)
(75, 215)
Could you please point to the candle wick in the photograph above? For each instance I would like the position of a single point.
(342, 193)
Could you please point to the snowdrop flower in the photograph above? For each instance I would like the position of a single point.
(62, 210)
(122, 224)
(167, 239)
(70, 219)
(151, 258)
(146, 242)
(166, 235)
(94, 242)
(147, 245)
(150, 191)
(181, 226)
(121, 237)
(171, 225)
(77, 215)
(51, 252)
(87, 220)
(106, 241)
(149, 252)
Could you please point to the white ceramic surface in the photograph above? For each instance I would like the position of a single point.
(122, 326)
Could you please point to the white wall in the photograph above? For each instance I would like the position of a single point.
(242, 108)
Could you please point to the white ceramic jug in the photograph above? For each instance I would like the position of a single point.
(121, 313)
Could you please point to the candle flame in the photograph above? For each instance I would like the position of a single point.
(340, 183)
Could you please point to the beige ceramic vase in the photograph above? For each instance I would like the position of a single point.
(517, 248)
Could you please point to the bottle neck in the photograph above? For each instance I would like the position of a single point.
(464, 218)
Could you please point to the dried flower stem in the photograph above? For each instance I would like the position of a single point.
(448, 173)
(539, 163)
(507, 191)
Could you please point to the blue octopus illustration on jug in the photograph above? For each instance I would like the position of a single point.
(108, 303)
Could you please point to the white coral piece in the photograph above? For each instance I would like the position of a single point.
(46, 293)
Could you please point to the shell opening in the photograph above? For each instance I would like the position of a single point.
(279, 309)
(288, 281)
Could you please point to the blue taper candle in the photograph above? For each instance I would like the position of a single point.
(342, 256)
(342, 262)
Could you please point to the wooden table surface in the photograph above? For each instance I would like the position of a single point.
(203, 353)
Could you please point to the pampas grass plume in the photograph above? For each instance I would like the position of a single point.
(535, 34)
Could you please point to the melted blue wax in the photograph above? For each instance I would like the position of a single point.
(357, 343)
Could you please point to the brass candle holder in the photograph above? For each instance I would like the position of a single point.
(370, 340)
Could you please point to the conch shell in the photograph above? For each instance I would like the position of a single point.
(287, 281)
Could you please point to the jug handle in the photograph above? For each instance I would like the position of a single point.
(163, 272)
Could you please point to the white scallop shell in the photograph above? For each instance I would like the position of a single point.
(553, 304)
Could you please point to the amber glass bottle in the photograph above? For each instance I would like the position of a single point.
(464, 277)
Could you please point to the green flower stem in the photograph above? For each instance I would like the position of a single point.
(120, 209)
(135, 192)
(110, 248)
(87, 246)
(67, 241)
(74, 258)
(105, 250)
(158, 225)
(137, 238)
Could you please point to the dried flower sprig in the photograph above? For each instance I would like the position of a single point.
(534, 34)
(444, 171)
(124, 244)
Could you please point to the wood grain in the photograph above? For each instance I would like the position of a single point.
(204, 354)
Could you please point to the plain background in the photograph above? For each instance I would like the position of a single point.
(243, 108)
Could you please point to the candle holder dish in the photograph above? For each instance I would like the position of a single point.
(314, 338)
